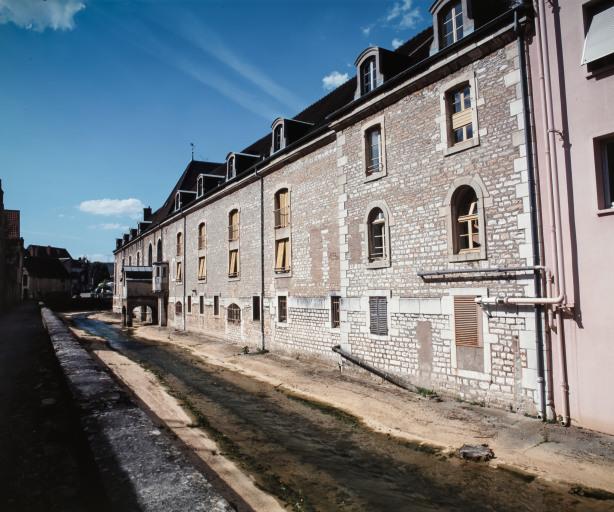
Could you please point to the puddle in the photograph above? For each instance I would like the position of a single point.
(317, 458)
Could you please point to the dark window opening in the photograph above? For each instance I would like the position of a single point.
(377, 235)
(256, 308)
(335, 314)
(234, 314)
(216, 305)
(282, 309)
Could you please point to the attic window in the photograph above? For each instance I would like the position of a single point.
(177, 201)
(278, 138)
(200, 186)
(368, 75)
(232, 171)
(451, 24)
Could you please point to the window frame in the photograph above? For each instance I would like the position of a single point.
(375, 302)
(256, 308)
(603, 180)
(451, 8)
(286, 257)
(202, 236)
(216, 306)
(236, 273)
(335, 311)
(233, 314)
(447, 143)
(189, 305)
(374, 123)
(368, 69)
(278, 145)
(179, 247)
(603, 64)
(178, 271)
(234, 228)
(201, 304)
(281, 218)
(371, 261)
(202, 276)
(231, 168)
(282, 319)
(200, 186)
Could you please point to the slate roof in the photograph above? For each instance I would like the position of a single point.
(45, 267)
(47, 251)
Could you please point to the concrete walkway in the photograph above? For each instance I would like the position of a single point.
(45, 464)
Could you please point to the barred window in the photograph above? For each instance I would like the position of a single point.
(335, 315)
(234, 314)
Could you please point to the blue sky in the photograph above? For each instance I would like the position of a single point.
(100, 99)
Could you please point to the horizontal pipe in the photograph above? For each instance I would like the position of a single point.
(492, 270)
(521, 300)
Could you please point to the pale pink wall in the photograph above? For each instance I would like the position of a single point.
(589, 105)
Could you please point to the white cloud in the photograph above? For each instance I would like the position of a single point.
(404, 15)
(366, 30)
(110, 226)
(39, 15)
(396, 43)
(334, 80)
(129, 207)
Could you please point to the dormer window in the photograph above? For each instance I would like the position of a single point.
(231, 169)
(451, 24)
(368, 75)
(278, 138)
(200, 186)
(177, 201)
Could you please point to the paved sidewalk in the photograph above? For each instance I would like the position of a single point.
(45, 464)
(524, 445)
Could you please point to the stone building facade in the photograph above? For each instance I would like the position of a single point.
(374, 221)
(11, 255)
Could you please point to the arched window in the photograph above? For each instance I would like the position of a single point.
(200, 186)
(179, 244)
(234, 314)
(376, 225)
(149, 255)
(233, 225)
(466, 221)
(368, 75)
(202, 237)
(278, 138)
(178, 308)
(451, 24)
(282, 208)
(159, 251)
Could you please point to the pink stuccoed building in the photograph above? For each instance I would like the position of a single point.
(571, 66)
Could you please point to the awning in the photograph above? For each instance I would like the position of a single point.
(599, 40)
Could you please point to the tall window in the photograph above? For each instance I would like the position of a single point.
(179, 244)
(233, 225)
(234, 314)
(378, 315)
(368, 75)
(233, 263)
(201, 304)
(129, 261)
(278, 138)
(159, 251)
(178, 308)
(149, 255)
(138, 259)
(605, 153)
(335, 311)
(282, 208)
(189, 303)
(202, 268)
(232, 171)
(451, 28)
(177, 201)
(200, 186)
(282, 309)
(373, 146)
(178, 271)
(282, 255)
(460, 114)
(216, 305)
(465, 220)
(377, 235)
(256, 308)
(202, 237)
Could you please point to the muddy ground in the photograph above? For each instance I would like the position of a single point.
(312, 456)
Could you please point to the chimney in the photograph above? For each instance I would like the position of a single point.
(48, 250)
(118, 243)
(126, 237)
(133, 233)
(147, 213)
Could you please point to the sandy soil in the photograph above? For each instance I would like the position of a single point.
(567, 455)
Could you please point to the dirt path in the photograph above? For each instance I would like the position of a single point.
(315, 457)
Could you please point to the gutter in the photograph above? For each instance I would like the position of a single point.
(262, 334)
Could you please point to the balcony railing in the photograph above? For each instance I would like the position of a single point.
(282, 217)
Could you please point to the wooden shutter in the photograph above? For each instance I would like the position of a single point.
(466, 321)
(202, 268)
(232, 267)
(279, 259)
(462, 118)
(179, 273)
(378, 313)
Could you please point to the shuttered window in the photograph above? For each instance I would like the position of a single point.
(179, 272)
(202, 267)
(282, 209)
(378, 313)
(466, 321)
(282, 256)
(233, 263)
(461, 114)
(599, 42)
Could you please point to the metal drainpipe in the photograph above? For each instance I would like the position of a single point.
(553, 190)
(537, 280)
(262, 335)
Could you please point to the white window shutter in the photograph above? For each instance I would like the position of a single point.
(599, 40)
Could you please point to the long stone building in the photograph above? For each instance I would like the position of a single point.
(375, 220)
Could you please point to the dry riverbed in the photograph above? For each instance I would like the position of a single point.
(273, 425)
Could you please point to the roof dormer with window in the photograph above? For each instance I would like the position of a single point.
(452, 20)
(287, 131)
(374, 66)
(231, 169)
(236, 163)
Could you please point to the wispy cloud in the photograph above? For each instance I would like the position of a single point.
(404, 15)
(39, 15)
(208, 41)
(334, 80)
(366, 31)
(396, 42)
(113, 207)
(110, 226)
